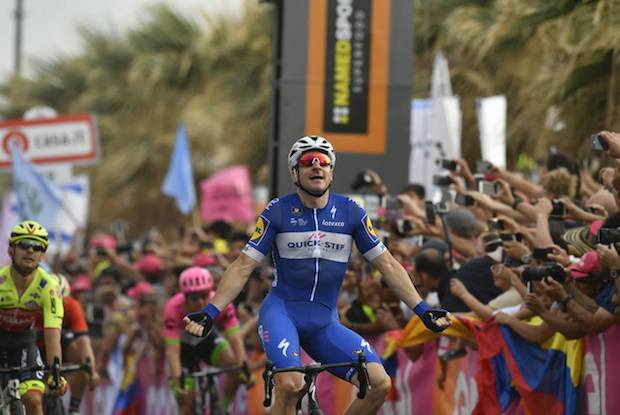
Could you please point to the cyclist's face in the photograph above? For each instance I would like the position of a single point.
(26, 255)
(196, 301)
(316, 176)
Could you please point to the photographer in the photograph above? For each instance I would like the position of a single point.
(586, 296)
(504, 279)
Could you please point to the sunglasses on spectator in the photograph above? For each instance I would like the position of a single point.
(197, 296)
(308, 159)
(36, 247)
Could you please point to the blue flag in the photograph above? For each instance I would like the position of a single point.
(37, 198)
(179, 181)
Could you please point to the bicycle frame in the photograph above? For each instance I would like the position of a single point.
(12, 388)
(205, 381)
(310, 374)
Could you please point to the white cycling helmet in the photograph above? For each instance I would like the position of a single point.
(307, 143)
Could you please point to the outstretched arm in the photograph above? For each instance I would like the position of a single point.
(233, 281)
(399, 281)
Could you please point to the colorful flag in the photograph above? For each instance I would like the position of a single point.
(37, 198)
(545, 376)
(179, 181)
(227, 195)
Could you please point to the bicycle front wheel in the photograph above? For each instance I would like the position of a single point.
(52, 405)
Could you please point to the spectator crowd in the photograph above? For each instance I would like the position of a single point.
(535, 251)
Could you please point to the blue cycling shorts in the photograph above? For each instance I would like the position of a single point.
(286, 326)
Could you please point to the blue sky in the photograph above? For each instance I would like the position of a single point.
(49, 26)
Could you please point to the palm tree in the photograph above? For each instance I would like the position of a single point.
(213, 74)
(550, 58)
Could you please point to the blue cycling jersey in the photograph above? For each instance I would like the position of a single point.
(311, 247)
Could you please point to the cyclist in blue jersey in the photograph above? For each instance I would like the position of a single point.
(310, 234)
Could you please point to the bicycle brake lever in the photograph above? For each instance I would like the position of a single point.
(362, 375)
(268, 381)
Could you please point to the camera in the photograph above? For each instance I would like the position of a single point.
(559, 208)
(101, 251)
(552, 270)
(442, 181)
(608, 236)
(488, 187)
(483, 166)
(505, 237)
(362, 179)
(403, 226)
(496, 224)
(599, 143)
(464, 200)
(449, 164)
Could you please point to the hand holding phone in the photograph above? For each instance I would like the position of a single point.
(541, 253)
(599, 143)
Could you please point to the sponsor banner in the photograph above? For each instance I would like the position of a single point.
(601, 374)
(347, 73)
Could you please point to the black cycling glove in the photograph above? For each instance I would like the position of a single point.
(429, 316)
(205, 318)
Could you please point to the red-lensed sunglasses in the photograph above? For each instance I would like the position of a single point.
(308, 159)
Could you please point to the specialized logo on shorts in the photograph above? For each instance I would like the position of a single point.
(365, 344)
(284, 344)
(370, 228)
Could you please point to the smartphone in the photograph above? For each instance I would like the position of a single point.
(496, 224)
(392, 203)
(559, 209)
(464, 200)
(442, 207)
(541, 253)
(442, 181)
(429, 208)
(483, 166)
(506, 237)
(599, 143)
(487, 187)
(449, 164)
(95, 313)
(608, 236)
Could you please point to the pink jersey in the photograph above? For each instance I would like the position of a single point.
(174, 311)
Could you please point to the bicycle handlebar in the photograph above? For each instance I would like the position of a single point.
(316, 368)
(49, 369)
(210, 372)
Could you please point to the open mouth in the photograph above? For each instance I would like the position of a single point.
(316, 177)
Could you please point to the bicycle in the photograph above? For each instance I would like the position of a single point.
(310, 374)
(10, 400)
(205, 381)
(53, 405)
